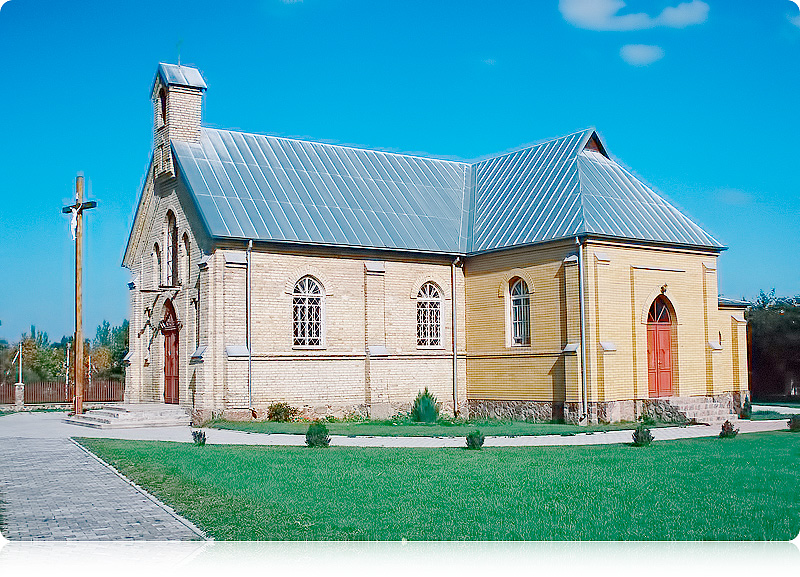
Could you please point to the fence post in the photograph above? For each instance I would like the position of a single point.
(19, 396)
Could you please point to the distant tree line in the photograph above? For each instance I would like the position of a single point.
(774, 325)
(46, 361)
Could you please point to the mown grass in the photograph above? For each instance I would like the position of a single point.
(794, 405)
(769, 416)
(694, 489)
(410, 429)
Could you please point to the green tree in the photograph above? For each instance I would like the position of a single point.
(775, 346)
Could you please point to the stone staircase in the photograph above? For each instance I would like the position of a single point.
(132, 415)
(704, 410)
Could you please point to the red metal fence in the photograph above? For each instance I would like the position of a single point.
(6, 393)
(56, 392)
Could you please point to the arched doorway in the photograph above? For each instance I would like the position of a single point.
(170, 331)
(659, 348)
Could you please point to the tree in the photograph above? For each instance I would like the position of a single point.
(775, 346)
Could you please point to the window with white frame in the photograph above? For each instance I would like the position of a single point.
(520, 314)
(307, 302)
(429, 316)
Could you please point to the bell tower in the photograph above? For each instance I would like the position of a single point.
(177, 96)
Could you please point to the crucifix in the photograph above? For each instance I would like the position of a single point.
(77, 235)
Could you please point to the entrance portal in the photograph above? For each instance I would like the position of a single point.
(170, 331)
(659, 348)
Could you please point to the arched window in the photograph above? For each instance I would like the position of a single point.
(186, 265)
(172, 250)
(157, 265)
(307, 311)
(520, 313)
(429, 316)
(162, 107)
(659, 311)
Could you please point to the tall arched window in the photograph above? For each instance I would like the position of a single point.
(172, 250)
(307, 301)
(162, 107)
(429, 316)
(659, 312)
(520, 313)
(157, 265)
(186, 273)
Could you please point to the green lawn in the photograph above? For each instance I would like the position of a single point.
(409, 429)
(700, 489)
(777, 404)
(769, 416)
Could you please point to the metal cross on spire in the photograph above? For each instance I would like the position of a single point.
(77, 234)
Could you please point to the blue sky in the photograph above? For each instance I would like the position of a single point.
(699, 99)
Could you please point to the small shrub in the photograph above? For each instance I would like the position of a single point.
(199, 438)
(642, 436)
(475, 440)
(317, 435)
(728, 432)
(281, 412)
(425, 409)
(747, 409)
(794, 424)
(648, 419)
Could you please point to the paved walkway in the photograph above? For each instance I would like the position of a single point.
(51, 488)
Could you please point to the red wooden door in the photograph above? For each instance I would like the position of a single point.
(659, 349)
(171, 365)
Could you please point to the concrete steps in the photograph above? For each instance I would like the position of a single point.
(704, 410)
(131, 416)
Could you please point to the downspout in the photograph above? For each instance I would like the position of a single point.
(584, 397)
(249, 330)
(455, 333)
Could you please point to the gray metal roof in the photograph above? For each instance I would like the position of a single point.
(269, 188)
(726, 302)
(177, 75)
(250, 186)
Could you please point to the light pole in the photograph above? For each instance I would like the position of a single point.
(77, 233)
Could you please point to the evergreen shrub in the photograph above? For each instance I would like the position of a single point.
(199, 438)
(425, 408)
(475, 440)
(642, 436)
(728, 432)
(317, 435)
(794, 424)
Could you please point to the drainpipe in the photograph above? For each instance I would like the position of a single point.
(584, 397)
(453, 266)
(249, 329)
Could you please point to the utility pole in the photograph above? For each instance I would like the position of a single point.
(77, 234)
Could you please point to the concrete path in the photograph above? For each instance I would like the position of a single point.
(50, 426)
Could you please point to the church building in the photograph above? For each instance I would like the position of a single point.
(546, 283)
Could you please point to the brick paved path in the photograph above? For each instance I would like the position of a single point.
(54, 489)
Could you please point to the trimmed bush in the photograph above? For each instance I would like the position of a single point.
(475, 440)
(747, 409)
(199, 438)
(794, 424)
(728, 432)
(281, 412)
(317, 435)
(425, 409)
(642, 436)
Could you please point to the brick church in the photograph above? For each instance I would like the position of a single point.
(546, 283)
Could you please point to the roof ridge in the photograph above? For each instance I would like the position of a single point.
(461, 162)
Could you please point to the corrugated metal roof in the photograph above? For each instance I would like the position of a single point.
(269, 188)
(177, 75)
(528, 196)
(615, 203)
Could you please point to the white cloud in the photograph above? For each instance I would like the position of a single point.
(641, 54)
(489, 61)
(604, 15)
(734, 196)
